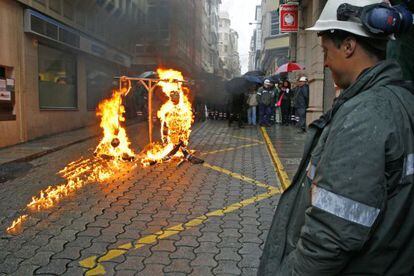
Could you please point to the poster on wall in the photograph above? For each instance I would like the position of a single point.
(289, 18)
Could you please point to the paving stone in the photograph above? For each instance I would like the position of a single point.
(209, 237)
(133, 263)
(201, 270)
(72, 253)
(40, 259)
(90, 232)
(55, 266)
(250, 248)
(158, 258)
(249, 271)
(10, 264)
(207, 247)
(26, 252)
(152, 270)
(229, 233)
(67, 235)
(40, 240)
(250, 260)
(74, 271)
(25, 269)
(204, 259)
(179, 265)
(187, 241)
(80, 242)
(250, 237)
(228, 253)
(164, 245)
(54, 245)
(227, 268)
(183, 252)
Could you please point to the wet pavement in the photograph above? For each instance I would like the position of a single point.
(209, 219)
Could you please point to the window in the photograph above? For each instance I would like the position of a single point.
(57, 79)
(99, 85)
(274, 28)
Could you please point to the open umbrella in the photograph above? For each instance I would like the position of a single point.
(289, 67)
(255, 73)
(253, 79)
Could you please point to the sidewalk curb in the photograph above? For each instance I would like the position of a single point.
(48, 151)
(283, 177)
(39, 154)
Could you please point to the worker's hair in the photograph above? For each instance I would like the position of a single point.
(376, 47)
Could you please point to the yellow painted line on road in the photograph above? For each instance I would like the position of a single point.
(283, 176)
(242, 177)
(230, 149)
(245, 138)
(94, 263)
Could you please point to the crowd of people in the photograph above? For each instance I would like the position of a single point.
(273, 103)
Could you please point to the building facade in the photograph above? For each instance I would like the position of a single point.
(306, 49)
(274, 44)
(228, 47)
(59, 57)
(256, 41)
(58, 61)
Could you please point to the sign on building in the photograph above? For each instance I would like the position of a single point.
(289, 18)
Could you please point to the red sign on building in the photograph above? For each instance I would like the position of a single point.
(289, 18)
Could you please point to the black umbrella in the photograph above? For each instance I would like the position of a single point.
(275, 78)
(255, 73)
(254, 79)
(238, 85)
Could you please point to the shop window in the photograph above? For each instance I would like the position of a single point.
(7, 94)
(57, 79)
(100, 82)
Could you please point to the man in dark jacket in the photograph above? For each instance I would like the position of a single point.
(350, 207)
(302, 101)
(266, 99)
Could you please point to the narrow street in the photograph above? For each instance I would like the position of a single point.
(209, 219)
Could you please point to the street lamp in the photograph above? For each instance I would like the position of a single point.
(255, 23)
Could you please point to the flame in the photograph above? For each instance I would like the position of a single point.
(115, 142)
(176, 117)
(16, 223)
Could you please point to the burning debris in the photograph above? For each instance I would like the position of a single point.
(176, 117)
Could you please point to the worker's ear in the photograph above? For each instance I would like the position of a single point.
(348, 46)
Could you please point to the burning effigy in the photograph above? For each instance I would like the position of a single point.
(176, 118)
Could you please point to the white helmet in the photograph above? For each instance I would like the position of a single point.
(328, 18)
(267, 82)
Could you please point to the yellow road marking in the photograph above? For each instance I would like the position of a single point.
(241, 177)
(283, 177)
(245, 138)
(95, 266)
(230, 149)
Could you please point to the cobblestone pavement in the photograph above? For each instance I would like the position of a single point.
(209, 219)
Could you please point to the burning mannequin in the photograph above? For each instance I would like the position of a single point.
(176, 118)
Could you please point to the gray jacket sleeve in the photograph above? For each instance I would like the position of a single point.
(348, 190)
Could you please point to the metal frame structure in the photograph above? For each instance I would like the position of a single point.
(149, 85)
